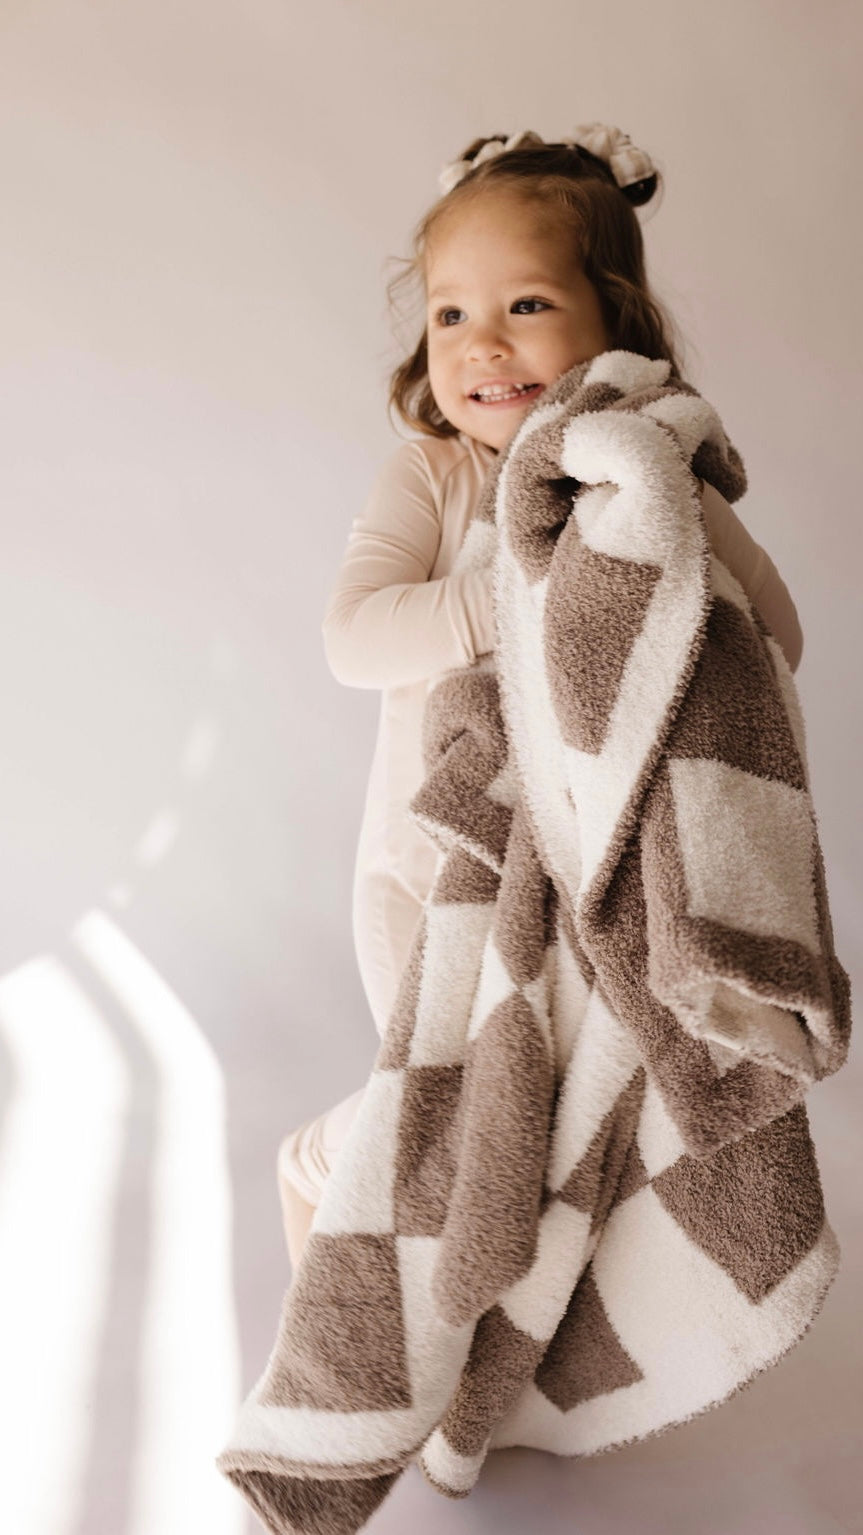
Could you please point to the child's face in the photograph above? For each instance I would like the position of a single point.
(505, 303)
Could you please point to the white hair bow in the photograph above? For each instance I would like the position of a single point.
(626, 163)
(624, 160)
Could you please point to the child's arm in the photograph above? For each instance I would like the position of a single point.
(386, 624)
(756, 572)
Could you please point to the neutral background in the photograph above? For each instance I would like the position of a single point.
(200, 200)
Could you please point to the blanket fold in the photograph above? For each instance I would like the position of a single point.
(580, 1201)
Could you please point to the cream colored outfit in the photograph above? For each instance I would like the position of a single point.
(395, 620)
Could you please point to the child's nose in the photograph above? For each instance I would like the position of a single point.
(489, 341)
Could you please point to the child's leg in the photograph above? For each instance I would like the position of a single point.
(385, 918)
(386, 912)
(304, 1161)
(297, 1217)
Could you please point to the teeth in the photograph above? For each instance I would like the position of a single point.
(498, 392)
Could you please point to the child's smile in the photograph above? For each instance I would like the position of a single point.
(498, 394)
(509, 309)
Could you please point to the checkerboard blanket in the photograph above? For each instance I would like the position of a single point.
(580, 1202)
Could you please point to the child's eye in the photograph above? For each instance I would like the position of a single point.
(442, 313)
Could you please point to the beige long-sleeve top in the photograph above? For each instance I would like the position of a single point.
(396, 618)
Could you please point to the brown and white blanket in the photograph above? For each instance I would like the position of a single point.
(580, 1201)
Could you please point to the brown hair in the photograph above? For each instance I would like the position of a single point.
(578, 188)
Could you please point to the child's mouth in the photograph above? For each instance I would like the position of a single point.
(501, 401)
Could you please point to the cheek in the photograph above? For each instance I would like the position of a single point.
(437, 383)
(438, 370)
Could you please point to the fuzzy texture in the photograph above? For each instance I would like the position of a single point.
(580, 1201)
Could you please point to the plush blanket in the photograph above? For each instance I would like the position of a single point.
(580, 1201)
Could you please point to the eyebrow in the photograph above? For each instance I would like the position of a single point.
(517, 282)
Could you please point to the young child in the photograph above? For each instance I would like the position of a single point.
(531, 261)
